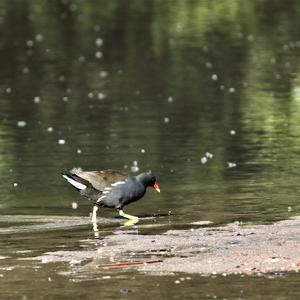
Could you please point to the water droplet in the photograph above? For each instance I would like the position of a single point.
(98, 54)
(170, 99)
(232, 132)
(205, 49)
(135, 167)
(250, 38)
(74, 205)
(62, 78)
(290, 209)
(49, 129)
(8, 90)
(208, 65)
(285, 47)
(209, 155)
(96, 28)
(81, 59)
(203, 160)
(99, 42)
(15, 184)
(231, 90)
(21, 123)
(166, 120)
(143, 150)
(79, 151)
(91, 95)
(124, 290)
(29, 43)
(214, 77)
(103, 74)
(65, 99)
(61, 141)
(39, 37)
(100, 96)
(231, 164)
(37, 99)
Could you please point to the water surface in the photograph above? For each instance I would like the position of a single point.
(166, 84)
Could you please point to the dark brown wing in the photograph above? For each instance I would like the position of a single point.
(100, 179)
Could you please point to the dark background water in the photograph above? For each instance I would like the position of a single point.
(157, 82)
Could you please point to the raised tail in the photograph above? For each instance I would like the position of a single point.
(85, 188)
(77, 182)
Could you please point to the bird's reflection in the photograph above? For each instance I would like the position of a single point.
(126, 223)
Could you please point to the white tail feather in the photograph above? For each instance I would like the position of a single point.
(75, 183)
(118, 183)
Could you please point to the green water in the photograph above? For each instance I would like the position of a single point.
(157, 82)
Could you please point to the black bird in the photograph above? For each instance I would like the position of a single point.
(111, 188)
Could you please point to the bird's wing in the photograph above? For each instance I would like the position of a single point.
(100, 179)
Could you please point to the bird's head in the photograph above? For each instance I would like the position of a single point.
(149, 180)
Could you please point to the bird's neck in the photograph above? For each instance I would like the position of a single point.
(140, 178)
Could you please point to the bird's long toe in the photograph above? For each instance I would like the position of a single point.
(127, 216)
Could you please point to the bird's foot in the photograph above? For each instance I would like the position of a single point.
(130, 222)
(129, 217)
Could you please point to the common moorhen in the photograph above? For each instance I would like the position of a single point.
(111, 188)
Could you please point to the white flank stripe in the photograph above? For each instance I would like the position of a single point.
(117, 183)
(78, 185)
(99, 200)
(108, 188)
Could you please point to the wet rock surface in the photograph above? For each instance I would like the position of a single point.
(232, 249)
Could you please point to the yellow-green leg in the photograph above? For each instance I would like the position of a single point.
(130, 222)
(129, 217)
(94, 215)
(94, 220)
